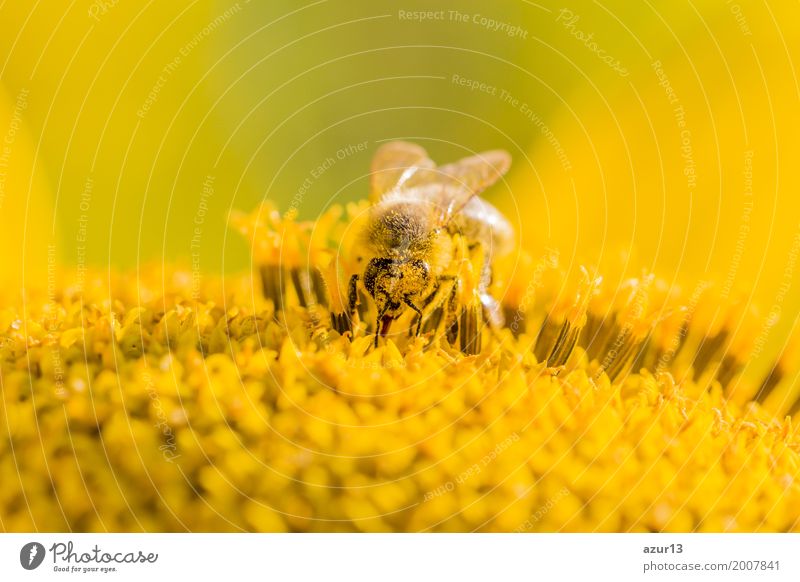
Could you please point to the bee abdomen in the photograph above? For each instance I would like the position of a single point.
(481, 222)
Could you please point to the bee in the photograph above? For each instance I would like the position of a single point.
(416, 209)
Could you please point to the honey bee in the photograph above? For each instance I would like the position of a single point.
(416, 209)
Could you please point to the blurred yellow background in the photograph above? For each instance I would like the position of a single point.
(657, 136)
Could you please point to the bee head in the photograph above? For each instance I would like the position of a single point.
(392, 281)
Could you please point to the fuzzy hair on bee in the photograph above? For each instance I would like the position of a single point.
(408, 238)
(400, 225)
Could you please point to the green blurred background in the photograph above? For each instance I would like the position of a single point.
(258, 94)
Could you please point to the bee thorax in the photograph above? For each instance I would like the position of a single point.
(399, 227)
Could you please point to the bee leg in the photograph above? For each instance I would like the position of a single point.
(452, 315)
(352, 298)
(450, 308)
(434, 318)
(343, 322)
(410, 303)
(436, 299)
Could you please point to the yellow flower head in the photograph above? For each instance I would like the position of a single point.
(588, 408)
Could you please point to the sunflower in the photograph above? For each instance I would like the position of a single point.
(139, 402)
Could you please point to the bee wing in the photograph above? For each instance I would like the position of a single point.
(394, 164)
(461, 180)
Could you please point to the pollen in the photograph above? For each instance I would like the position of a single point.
(139, 403)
